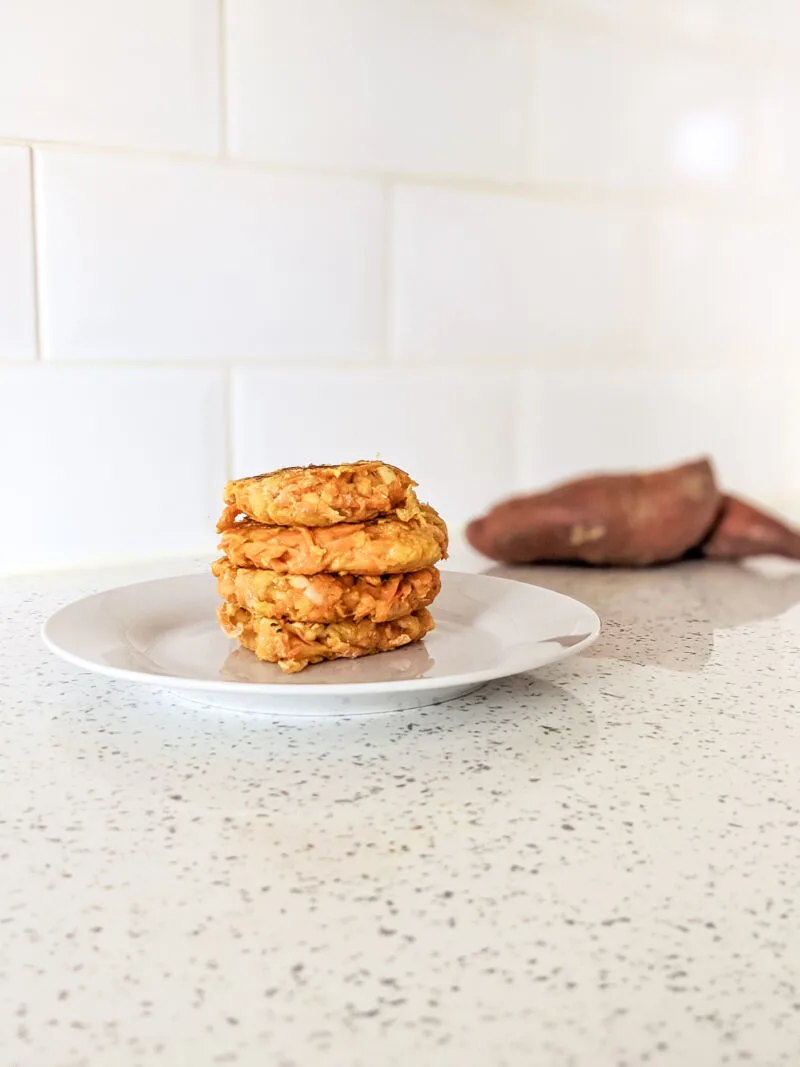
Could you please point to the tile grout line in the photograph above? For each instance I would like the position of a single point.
(553, 191)
(520, 378)
(530, 127)
(488, 364)
(647, 223)
(37, 327)
(387, 274)
(229, 424)
(222, 75)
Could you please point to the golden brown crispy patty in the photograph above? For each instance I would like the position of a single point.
(322, 496)
(384, 546)
(293, 645)
(326, 597)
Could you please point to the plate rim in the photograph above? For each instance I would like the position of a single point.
(273, 689)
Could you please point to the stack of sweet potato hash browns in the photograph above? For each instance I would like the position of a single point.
(326, 563)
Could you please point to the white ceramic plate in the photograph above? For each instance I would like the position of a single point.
(165, 633)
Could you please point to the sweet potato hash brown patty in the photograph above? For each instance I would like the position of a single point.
(383, 546)
(322, 496)
(294, 645)
(326, 597)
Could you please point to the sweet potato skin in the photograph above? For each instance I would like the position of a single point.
(742, 530)
(609, 519)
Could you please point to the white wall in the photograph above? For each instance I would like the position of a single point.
(497, 241)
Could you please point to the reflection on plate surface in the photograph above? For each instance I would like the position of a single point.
(411, 662)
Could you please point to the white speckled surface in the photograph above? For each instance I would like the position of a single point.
(596, 867)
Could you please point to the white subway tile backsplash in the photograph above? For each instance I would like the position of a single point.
(613, 111)
(17, 312)
(452, 432)
(588, 82)
(756, 26)
(578, 250)
(110, 463)
(403, 85)
(777, 110)
(696, 20)
(136, 73)
(623, 11)
(146, 259)
(771, 24)
(503, 277)
(574, 424)
(725, 289)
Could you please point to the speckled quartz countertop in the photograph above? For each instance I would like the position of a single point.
(598, 866)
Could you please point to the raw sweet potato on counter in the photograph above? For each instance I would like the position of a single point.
(630, 520)
(742, 530)
(625, 519)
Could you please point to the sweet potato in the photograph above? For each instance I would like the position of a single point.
(608, 519)
(742, 530)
